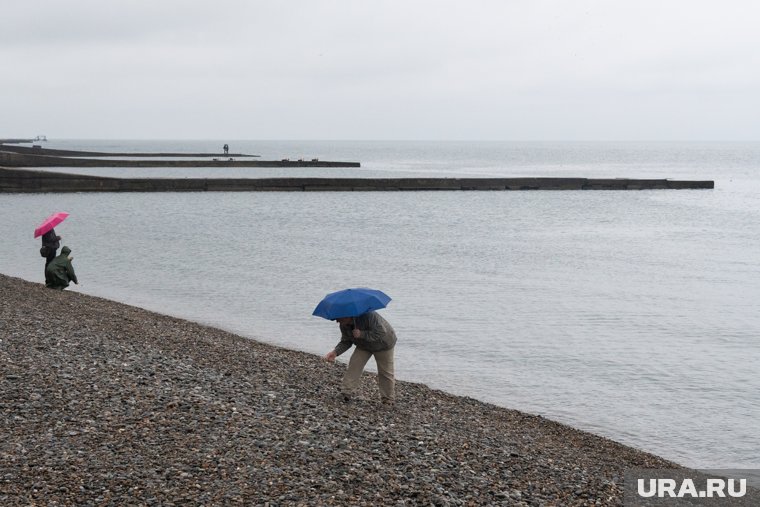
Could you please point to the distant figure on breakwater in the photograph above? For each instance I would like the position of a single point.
(226, 149)
(373, 336)
(60, 271)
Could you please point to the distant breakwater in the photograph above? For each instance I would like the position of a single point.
(38, 150)
(31, 181)
(15, 159)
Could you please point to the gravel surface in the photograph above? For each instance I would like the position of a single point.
(108, 404)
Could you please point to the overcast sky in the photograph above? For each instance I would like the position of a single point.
(371, 69)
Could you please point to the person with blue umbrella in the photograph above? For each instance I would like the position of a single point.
(370, 334)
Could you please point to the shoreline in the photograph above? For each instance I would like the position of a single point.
(110, 403)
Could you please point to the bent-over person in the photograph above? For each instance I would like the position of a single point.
(60, 271)
(372, 335)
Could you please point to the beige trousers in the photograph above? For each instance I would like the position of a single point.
(385, 379)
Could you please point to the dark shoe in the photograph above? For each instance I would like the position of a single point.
(345, 398)
(388, 402)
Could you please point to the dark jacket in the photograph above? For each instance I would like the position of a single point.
(60, 272)
(376, 334)
(51, 239)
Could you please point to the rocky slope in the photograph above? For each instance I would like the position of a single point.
(108, 404)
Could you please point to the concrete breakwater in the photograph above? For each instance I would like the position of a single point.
(39, 150)
(26, 180)
(16, 140)
(13, 159)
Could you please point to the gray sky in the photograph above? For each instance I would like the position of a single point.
(371, 69)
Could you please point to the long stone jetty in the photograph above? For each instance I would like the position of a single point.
(13, 180)
(39, 150)
(20, 172)
(10, 158)
(16, 140)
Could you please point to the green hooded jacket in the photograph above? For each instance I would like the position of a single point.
(60, 272)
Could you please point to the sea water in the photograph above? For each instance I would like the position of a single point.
(630, 314)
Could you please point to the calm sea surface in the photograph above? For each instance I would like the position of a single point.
(633, 315)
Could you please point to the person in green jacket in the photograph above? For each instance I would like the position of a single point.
(60, 272)
(373, 336)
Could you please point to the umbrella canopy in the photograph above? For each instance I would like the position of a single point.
(50, 222)
(350, 303)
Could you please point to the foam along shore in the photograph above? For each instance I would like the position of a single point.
(105, 403)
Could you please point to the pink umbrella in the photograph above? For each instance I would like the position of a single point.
(50, 222)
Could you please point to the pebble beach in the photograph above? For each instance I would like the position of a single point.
(108, 404)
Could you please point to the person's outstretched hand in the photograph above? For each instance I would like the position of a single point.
(330, 356)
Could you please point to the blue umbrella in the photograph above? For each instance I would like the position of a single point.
(350, 303)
